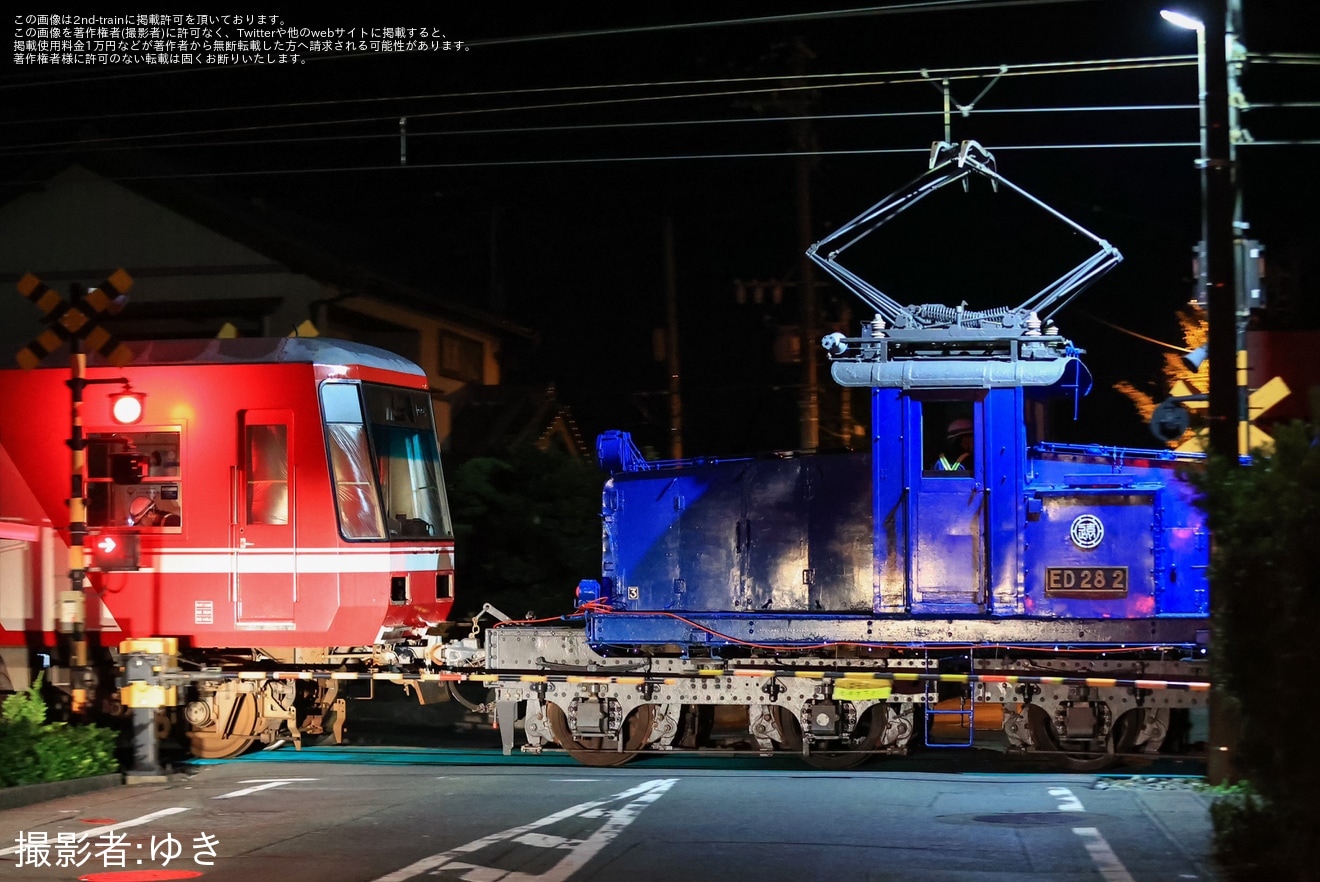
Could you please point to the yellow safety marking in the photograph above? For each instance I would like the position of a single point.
(533, 678)
(151, 645)
(120, 280)
(148, 695)
(954, 678)
(906, 675)
(810, 675)
(484, 678)
(1100, 681)
(72, 320)
(711, 672)
(577, 679)
(121, 356)
(98, 337)
(861, 690)
(1258, 402)
(630, 681)
(392, 677)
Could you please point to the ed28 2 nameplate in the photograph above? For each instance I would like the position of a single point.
(1101, 582)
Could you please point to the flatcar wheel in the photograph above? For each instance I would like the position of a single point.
(245, 722)
(601, 751)
(1120, 740)
(865, 738)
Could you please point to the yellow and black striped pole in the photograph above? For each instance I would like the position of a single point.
(77, 320)
(74, 609)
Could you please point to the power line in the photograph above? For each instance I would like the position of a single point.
(895, 78)
(651, 158)
(595, 127)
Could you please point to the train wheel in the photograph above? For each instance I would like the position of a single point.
(601, 751)
(865, 738)
(1096, 756)
(242, 726)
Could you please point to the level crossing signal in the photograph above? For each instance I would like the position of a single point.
(78, 319)
(113, 552)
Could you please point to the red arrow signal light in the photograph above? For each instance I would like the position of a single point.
(113, 552)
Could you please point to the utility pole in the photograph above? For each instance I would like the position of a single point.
(671, 346)
(1219, 194)
(1218, 213)
(804, 134)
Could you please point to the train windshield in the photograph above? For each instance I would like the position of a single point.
(385, 462)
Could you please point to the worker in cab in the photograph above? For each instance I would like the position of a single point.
(959, 444)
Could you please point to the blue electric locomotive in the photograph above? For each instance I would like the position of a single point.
(837, 604)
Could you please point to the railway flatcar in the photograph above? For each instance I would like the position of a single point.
(840, 605)
(279, 501)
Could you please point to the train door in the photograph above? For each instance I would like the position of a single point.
(265, 565)
(947, 505)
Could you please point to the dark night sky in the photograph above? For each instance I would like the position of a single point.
(498, 143)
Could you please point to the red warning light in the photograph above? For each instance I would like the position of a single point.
(127, 408)
(114, 552)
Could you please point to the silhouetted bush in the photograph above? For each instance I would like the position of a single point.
(33, 751)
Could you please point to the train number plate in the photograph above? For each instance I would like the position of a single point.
(1086, 581)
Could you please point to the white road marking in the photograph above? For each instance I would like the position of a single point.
(262, 784)
(1067, 802)
(578, 852)
(1105, 860)
(109, 828)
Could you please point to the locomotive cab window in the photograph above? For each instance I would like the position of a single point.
(133, 480)
(948, 434)
(385, 462)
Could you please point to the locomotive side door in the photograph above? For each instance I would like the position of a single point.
(947, 505)
(265, 563)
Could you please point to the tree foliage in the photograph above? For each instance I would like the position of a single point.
(527, 529)
(1195, 333)
(1265, 519)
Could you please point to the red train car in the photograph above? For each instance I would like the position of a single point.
(286, 499)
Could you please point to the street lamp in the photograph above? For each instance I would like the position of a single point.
(1195, 24)
(1218, 210)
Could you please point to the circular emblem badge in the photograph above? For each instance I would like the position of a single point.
(1087, 531)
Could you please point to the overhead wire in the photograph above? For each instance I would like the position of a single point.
(595, 127)
(895, 78)
(781, 154)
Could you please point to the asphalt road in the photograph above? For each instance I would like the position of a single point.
(394, 814)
